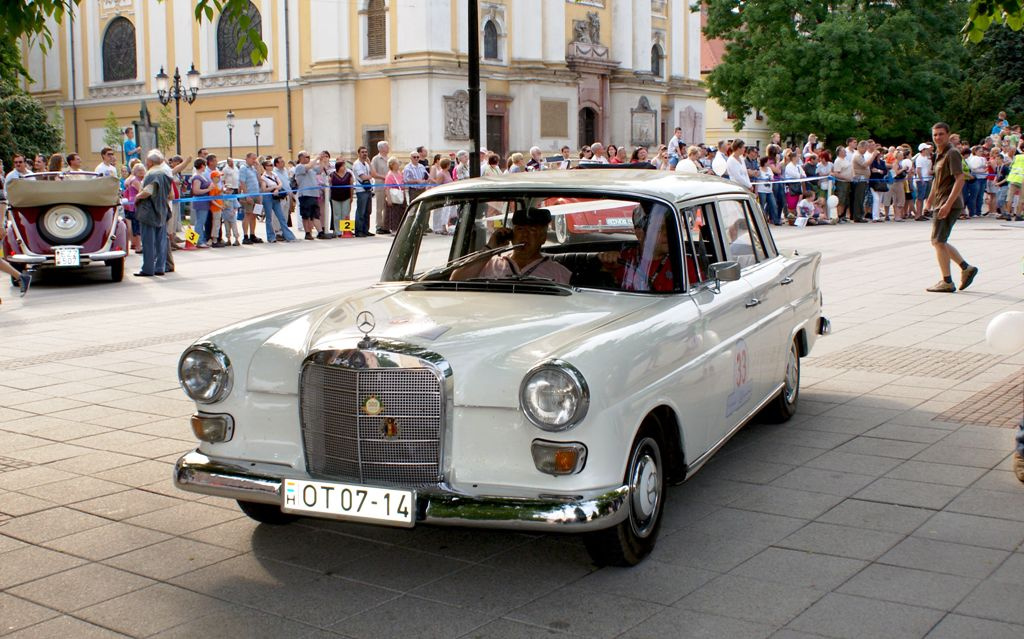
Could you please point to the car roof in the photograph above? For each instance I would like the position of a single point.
(667, 185)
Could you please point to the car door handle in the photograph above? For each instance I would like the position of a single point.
(786, 281)
(752, 302)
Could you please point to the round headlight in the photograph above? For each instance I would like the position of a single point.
(205, 373)
(554, 396)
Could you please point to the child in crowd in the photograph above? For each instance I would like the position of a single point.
(808, 207)
(216, 207)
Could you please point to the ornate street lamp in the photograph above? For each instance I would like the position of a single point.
(230, 117)
(256, 132)
(177, 91)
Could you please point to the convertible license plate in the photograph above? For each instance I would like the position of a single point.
(619, 221)
(66, 256)
(350, 501)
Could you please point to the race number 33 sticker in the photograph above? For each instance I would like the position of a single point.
(741, 386)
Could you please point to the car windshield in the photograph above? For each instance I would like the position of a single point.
(587, 241)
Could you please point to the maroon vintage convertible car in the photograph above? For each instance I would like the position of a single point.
(63, 223)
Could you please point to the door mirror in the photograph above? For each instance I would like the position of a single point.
(725, 271)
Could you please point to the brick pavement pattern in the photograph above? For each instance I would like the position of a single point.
(878, 511)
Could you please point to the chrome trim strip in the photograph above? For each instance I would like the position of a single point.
(102, 256)
(440, 505)
(700, 461)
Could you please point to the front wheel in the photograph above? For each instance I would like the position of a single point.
(633, 539)
(784, 405)
(266, 513)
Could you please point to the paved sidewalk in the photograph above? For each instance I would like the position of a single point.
(886, 508)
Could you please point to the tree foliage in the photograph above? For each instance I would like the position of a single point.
(29, 18)
(837, 67)
(993, 81)
(167, 131)
(111, 131)
(985, 14)
(24, 127)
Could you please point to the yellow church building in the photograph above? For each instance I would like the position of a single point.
(345, 73)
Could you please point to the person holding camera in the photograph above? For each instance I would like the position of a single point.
(364, 195)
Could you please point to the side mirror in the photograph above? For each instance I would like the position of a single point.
(725, 271)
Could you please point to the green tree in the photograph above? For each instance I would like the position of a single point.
(111, 131)
(167, 128)
(24, 127)
(985, 14)
(837, 67)
(992, 82)
(29, 18)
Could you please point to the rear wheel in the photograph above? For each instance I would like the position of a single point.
(784, 405)
(116, 269)
(633, 539)
(266, 513)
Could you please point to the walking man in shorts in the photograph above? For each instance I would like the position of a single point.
(945, 200)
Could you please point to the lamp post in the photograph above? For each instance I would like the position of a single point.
(256, 132)
(167, 91)
(230, 117)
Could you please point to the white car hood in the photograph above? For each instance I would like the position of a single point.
(490, 338)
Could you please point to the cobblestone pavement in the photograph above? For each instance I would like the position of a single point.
(886, 508)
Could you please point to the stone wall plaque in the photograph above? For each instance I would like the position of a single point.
(691, 122)
(456, 116)
(643, 123)
(554, 119)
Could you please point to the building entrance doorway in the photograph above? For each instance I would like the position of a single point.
(588, 126)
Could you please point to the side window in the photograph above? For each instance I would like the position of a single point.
(698, 242)
(740, 244)
(761, 231)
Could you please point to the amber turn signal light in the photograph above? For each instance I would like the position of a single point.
(558, 458)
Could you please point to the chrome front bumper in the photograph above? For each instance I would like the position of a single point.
(48, 260)
(439, 505)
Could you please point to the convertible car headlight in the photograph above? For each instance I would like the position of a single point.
(205, 373)
(554, 396)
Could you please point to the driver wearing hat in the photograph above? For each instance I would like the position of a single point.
(528, 233)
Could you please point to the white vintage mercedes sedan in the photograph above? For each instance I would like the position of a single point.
(498, 376)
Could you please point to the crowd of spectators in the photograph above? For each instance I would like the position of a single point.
(324, 196)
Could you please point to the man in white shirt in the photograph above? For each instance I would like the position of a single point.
(106, 167)
(720, 165)
(364, 193)
(923, 173)
(736, 169)
(600, 156)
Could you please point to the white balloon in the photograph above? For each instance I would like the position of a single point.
(833, 201)
(1005, 333)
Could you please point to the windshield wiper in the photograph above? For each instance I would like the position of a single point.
(467, 259)
(526, 278)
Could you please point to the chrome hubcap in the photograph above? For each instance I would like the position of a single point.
(646, 490)
(792, 375)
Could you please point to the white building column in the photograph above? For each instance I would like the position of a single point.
(553, 31)
(622, 35)
(641, 35)
(527, 39)
(330, 25)
(693, 48)
(679, 37)
(424, 25)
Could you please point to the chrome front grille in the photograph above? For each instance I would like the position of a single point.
(399, 445)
